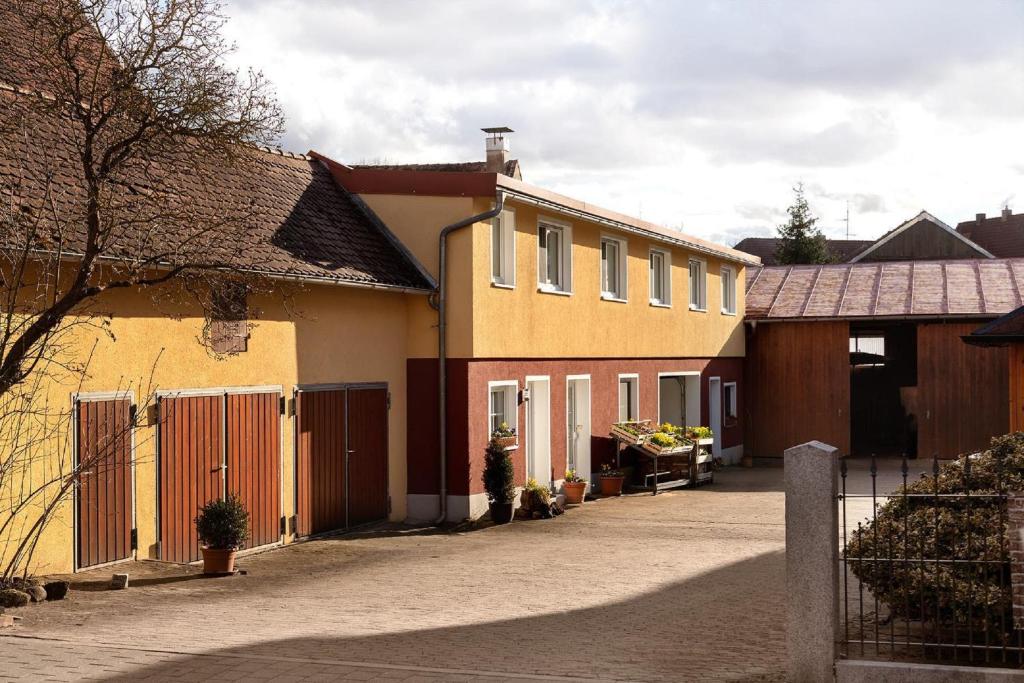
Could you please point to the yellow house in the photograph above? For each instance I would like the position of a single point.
(561, 318)
(304, 417)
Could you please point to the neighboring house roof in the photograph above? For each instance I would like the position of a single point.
(298, 222)
(1009, 328)
(765, 248)
(511, 167)
(965, 246)
(1001, 235)
(902, 289)
(364, 180)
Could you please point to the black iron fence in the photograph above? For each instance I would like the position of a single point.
(925, 571)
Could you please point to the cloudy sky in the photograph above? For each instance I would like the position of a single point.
(698, 115)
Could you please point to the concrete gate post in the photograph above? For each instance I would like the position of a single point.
(812, 561)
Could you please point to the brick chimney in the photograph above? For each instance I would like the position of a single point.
(979, 218)
(497, 148)
(1007, 213)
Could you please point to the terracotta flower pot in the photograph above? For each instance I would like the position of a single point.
(217, 561)
(501, 513)
(505, 441)
(574, 492)
(612, 486)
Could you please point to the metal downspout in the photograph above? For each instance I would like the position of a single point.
(442, 345)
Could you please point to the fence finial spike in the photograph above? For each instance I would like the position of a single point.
(874, 465)
(904, 466)
(935, 464)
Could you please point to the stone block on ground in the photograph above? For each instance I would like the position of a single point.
(118, 582)
(36, 593)
(12, 597)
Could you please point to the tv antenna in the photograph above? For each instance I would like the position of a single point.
(847, 219)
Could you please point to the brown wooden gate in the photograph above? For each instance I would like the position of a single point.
(253, 438)
(798, 386)
(105, 494)
(368, 455)
(320, 416)
(334, 491)
(191, 454)
(963, 391)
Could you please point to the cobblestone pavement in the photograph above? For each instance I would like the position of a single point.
(684, 586)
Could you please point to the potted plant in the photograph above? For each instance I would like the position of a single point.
(611, 480)
(504, 436)
(574, 488)
(536, 500)
(702, 435)
(497, 477)
(222, 527)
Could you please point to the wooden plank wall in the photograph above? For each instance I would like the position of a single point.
(963, 391)
(1016, 360)
(798, 384)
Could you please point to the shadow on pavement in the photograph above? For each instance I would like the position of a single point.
(727, 623)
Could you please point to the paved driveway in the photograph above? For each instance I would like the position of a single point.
(684, 586)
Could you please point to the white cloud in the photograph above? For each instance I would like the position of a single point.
(701, 114)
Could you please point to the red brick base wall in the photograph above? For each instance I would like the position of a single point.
(468, 406)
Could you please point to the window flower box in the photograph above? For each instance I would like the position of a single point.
(505, 437)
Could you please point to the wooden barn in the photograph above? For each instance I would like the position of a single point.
(870, 358)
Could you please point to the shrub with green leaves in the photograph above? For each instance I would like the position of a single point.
(223, 524)
(961, 528)
(498, 474)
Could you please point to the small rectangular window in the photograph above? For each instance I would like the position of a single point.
(661, 284)
(613, 268)
(629, 398)
(502, 407)
(503, 253)
(698, 286)
(728, 278)
(554, 246)
(729, 401)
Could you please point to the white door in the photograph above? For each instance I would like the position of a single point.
(538, 430)
(715, 413)
(577, 427)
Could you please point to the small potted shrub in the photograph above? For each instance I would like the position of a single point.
(498, 484)
(504, 436)
(574, 488)
(222, 527)
(611, 480)
(536, 500)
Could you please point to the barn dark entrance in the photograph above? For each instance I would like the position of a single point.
(883, 389)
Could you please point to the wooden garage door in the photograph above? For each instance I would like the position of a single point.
(798, 386)
(253, 438)
(191, 454)
(104, 434)
(963, 391)
(368, 455)
(335, 492)
(321, 461)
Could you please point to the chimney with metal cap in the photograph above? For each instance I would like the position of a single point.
(497, 148)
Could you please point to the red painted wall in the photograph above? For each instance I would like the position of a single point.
(468, 398)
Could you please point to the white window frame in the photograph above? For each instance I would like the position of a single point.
(565, 286)
(511, 391)
(666, 278)
(505, 223)
(622, 266)
(730, 410)
(728, 274)
(635, 408)
(702, 293)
